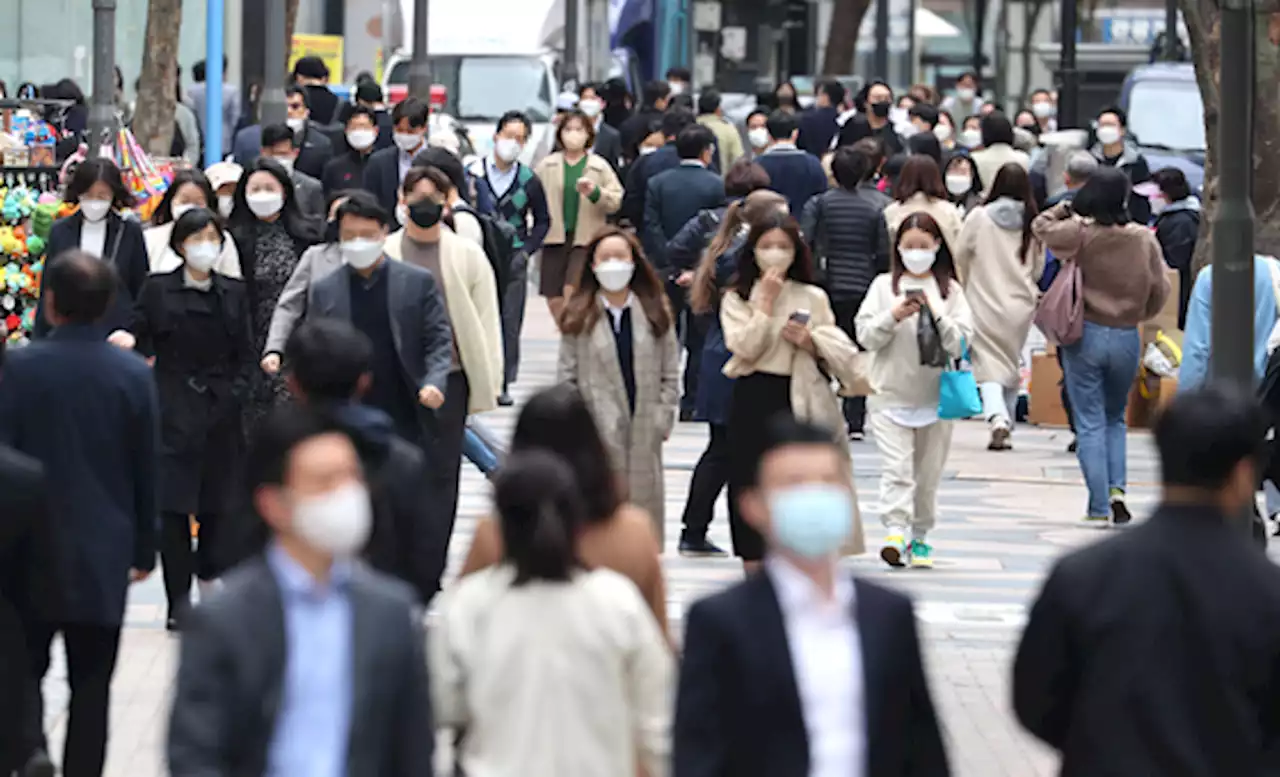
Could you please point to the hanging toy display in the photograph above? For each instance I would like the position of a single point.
(25, 222)
(147, 180)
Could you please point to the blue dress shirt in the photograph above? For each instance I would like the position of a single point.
(314, 722)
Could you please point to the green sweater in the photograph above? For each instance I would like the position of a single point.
(572, 173)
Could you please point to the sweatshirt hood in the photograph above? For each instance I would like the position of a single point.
(1191, 203)
(1007, 213)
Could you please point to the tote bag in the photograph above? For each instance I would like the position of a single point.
(958, 396)
(1060, 314)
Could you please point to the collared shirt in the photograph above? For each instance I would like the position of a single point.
(615, 314)
(500, 181)
(826, 658)
(314, 722)
(93, 237)
(406, 161)
(692, 163)
(783, 146)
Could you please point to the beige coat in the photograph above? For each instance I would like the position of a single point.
(999, 287)
(163, 259)
(591, 215)
(471, 295)
(990, 160)
(728, 139)
(590, 362)
(944, 212)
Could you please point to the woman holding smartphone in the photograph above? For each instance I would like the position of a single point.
(778, 326)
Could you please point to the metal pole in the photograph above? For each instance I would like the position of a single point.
(215, 17)
(274, 107)
(419, 69)
(1068, 76)
(1233, 221)
(1171, 30)
(882, 39)
(388, 34)
(102, 111)
(570, 74)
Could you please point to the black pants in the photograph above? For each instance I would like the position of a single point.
(710, 476)
(855, 408)
(692, 331)
(757, 399)
(513, 298)
(444, 453)
(180, 561)
(91, 660)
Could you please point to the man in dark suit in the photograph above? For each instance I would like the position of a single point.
(400, 308)
(649, 166)
(802, 669)
(608, 140)
(25, 537)
(794, 174)
(675, 197)
(307, 662)
(312, 145)
(359, 142)
(277, 144)
(819, 124)
(1154, 652)
(387, 167)
(87, 411)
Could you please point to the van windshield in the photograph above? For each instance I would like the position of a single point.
(1168, 114)
(482, 88)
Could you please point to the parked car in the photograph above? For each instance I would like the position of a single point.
(1166, 117)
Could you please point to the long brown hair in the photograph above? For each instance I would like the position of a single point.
(583, 310)
(944, 268)
(920, 174)
(704, 294)
(801, 269)
(1013, 182)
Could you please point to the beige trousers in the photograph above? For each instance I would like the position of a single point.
(911, 462)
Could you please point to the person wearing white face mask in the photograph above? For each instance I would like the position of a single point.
(608, 142)
(386, 168)
(346, 170)
(963, 188)
(967, 100)
(758, 132)
(296, 614)
(190, 189)
(912, 440)
(99, 228)
(618, 347)
(278, 145)
(194, 325)
(1116, 149)
(223, 179)
(778, 325)
(1045, 109)
(313, 147)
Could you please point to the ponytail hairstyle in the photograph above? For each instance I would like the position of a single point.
(541, 512)
(704, 292)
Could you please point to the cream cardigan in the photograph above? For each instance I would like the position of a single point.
(471, 295)
(592, 216)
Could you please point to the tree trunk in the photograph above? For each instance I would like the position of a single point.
(1202, 19)
(842, 38)
(157, 87)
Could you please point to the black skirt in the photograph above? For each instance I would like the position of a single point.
(756, 399)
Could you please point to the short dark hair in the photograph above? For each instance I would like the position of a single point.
(851, 166)
(654, 91)
(514, 116)
(310, 67)
(924, 112)
(970, 74)
(745, 177)
(369, 92)
(349, 112)
(693, 141)
(782, 125)
(327, 357)
(276, 437)
(927, 144)
(446, 162)
(413, 109)
(759, 110)
(294, 89)
(1037, 92)
(996, 128)
(276, 133)
(91, 171)
(679, 73)
(709, 101)
(362, 204)
(834, 90)
(1104, 197)
(1172, 182)
(193, 176)
(191, 222)
(592, 85)
(541, 512)
(1118, 112)
(1202, 435)
(675, 120)
(785, 430)
(83, 286)
(419, 173)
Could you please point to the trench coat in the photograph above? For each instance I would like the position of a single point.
(589, 361)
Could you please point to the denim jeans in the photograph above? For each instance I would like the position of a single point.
(1100, 369)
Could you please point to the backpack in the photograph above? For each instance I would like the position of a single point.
(499, 242)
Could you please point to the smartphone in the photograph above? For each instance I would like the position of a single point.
(914, 294)
(800, 317)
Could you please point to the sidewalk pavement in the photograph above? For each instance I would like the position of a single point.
(1005, 517)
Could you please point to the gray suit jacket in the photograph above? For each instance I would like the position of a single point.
(316, 263)
(419, 319)
(310, 194)
(231, 678)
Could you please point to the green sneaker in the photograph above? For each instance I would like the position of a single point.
(921, 554)
(894, 550)
(1096, 520)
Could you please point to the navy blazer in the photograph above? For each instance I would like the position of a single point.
(675, 197)
(382, 179)
(796, 175)
(88, 412)
(314, 148)
(738, 710)
(131, 262)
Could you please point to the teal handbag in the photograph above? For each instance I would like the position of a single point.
(958, 396)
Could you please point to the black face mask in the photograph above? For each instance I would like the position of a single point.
(331, 231)
(880, 110)
(426, 214)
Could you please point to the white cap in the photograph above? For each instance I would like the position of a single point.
(567, 101)
(222, 173)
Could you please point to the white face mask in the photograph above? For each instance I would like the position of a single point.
(677, 87)
(95, 210)
(337, 523)
(1043, 110)
(178, 210)
(907, 130)
(297, 125)
(918, 261)
(970, 138)
(361, 253)
(265, 204)
(614, 275)
(402, 214)
(574, 140)
(286, 162)
(225, 203)
(360, 139)
(591, 108)
(965, 94)
(507, 150)
(959, 183)
(407, 141)
(201, 256)
(647, 150)
(775, 258)
(942, 132)
(758, 137)
(1108, 134)
(899, 115)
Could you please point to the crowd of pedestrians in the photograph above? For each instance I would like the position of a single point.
(283, 365)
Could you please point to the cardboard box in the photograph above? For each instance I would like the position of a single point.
(1046, 398)
(1167, 319)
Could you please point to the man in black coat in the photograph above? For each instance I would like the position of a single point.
(653, 104)
(331, 363)
(802, 668)
(649, 166)
(360, 141)
(312, 145)
(87, 411)
(1155, 652)
(387, 167)
(819, 124)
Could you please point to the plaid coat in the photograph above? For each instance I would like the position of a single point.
(590, 362)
